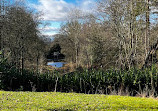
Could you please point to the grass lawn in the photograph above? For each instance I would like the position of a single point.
(51, 101)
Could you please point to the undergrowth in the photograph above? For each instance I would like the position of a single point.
(133, 82)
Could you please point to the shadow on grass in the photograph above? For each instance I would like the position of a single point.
(59, 110)
(114, 108)
(64, 108)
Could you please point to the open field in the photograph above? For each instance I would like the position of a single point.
(50, 101)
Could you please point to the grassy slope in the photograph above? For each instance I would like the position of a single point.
(51, 101)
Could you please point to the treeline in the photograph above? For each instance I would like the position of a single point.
(120, 34)
(20, 39)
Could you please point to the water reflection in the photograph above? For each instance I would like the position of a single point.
(56, 64)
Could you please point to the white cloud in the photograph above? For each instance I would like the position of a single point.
(51, 33)
(87, 6)
(48, 29)
(154, 9)
(57, 10)
(54, 10)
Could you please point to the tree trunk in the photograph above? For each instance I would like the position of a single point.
(147, 32)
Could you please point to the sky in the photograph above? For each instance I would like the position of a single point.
(54, 12)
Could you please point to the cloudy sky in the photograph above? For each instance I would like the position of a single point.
(55, 11)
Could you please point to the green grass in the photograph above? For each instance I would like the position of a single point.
(50, 101)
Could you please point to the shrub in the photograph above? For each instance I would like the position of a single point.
(132, 82)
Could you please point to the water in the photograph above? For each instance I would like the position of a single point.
(56, 64)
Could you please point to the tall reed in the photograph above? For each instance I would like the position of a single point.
(132, 82)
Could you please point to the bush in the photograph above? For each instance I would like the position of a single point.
(133, 82)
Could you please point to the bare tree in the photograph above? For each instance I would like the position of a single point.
(22, 36)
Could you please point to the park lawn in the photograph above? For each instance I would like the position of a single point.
(56, 101)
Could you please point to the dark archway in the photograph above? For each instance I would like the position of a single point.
(55, 54)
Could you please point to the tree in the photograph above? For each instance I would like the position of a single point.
(115, 37)
(22, 37)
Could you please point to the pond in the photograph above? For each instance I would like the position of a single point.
(56, 64)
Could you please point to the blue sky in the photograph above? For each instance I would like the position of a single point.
(54, 12)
